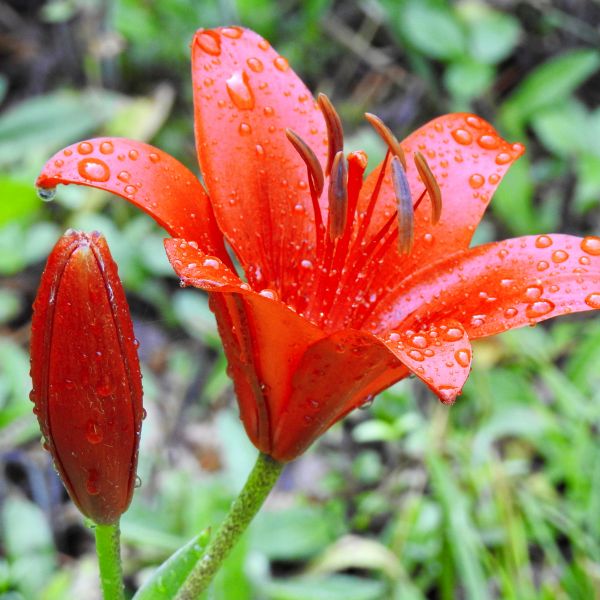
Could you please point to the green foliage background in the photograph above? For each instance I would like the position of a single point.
(498, 497)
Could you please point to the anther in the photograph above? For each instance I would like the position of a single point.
(387, 136)
(335, 133)
(338, 196)
(433, 189)
(315, 171)
(405, 208)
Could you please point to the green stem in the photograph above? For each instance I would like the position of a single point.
(108, 550)
(260, 482)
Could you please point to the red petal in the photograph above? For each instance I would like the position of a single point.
(439, 354)
(145, 176)
(245, 97)
(336, 375)
(468, 159)
(86, 376)
(500, 286)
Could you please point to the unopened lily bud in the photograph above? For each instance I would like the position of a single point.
(87, 387)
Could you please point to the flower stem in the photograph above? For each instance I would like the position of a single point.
(260, 482)
(109, 559)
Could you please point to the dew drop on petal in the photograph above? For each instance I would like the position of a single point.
(268, 293)
(244, 129)
(154, 157)
(232, 32)
(85, 148)
(494, 178)
(281, 64)
(106, 147)
(416, 355)
(133, 154)
(419, 341)
(473, 121)
(211, 262)
(462, 136)
(539, 309)
(503, 158)
(269, 111)
(543, 241)
(255, 65)
(463, 357)
(591, 245)
(124, 176)
(489, 142)
(92, 483)
(238, 88)
(47, 194)
(476, 181)
(453, 334)
(93, 169)
(209, 41)
(93, 432)
(593, 300)
(559, 256)
(533, 292)
(130, 190)
(511, 312)
(542, 265)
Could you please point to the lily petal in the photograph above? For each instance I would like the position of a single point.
(468, 159)
(336, 375)
(246, 96)
(145, 176)
(500, 286)
(440, 355)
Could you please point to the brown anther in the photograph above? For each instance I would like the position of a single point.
(387, 136)
(338, 196)
(315, 171)
(433, 189)
(335, 133)
(404, 204)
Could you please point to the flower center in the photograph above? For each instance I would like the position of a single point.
(341, 290)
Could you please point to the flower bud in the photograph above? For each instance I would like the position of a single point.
(87, 386)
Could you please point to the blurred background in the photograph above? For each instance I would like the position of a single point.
(498, 497)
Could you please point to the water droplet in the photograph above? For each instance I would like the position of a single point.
(394, 337)
(130, 190)
(84, 148)
(453, 334)
(419, 341)
(542, 265)
(367, 402)
(91, 484)
(93, 432)
(494, 178)
(416, 355)
(593, 300)
(462, 136)
(474, 121)
(244, 129)
(93, 169)
(511, 312)
(232, 32)
(238, 88)
(503, 158)
(133, 154)
(269, 111)
(47, 194)
(539, 309)
(138, 482)
(106, 147)
(543, 241)
(264, 45)
(211, 262)
(124, 176)
(255, 65)
(268, 293)
(489, 142)
(534, 292)
(591, 245)
(281, 64)
(154, 157)
(559, 256)
(476, 181)
(209, 41)
(463, 357)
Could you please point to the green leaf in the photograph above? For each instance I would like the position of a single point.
(550, 83)
(587, 192)
(562, 128)
(431, 28)
(169, 577)
(466, 79)
(17, 199)
(492, 35)
(336, 587)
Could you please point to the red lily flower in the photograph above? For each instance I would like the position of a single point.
(350, 284)
(87, 385)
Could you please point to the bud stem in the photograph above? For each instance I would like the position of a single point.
(260, 482)
(108, 550)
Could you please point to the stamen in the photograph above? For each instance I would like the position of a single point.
(405, 208)
(433, 189)
(335, 133)
(315, 171)
(338, 196)
(387, 136)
